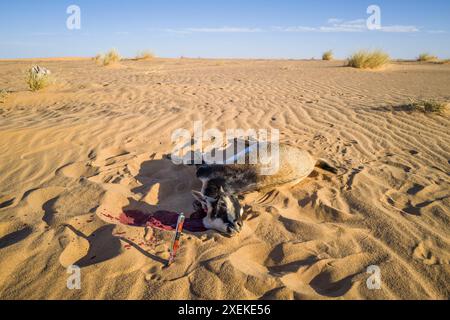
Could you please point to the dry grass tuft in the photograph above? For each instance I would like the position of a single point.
(328, 55)
(145, 55)
(98, 58)
(368, 59)
(425, 57)
(428, 106)
(446, 61)
(38, 78)
(3, 95)
(110, 58)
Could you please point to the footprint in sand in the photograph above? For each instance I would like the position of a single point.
(104, 155)
(430, 254)
(324, 205)
(153, 277)
(77, 170)
(13, 237)
(153, 274)
(416, 188)
(351, 177)
(35, 198)
(289, 257)
(327, 277)
(38, 201)
(116, 166)
(303, 267)
(250, 260)
(414, 199)
(60, 208)
(74, 251)
(85, 250)
(325, 284)
(6, 201)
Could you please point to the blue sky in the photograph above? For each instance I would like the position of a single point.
(223, 29)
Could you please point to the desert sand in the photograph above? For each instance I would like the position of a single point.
(95, 141)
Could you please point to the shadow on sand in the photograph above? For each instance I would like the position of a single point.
(164, 186)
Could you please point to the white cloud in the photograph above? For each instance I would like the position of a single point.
(357, 21)
(333, 25)
(339, 25)
(358, 25)
(225, 30)
(334, 20)
(399, 29)
(177, 31)
(437, 31)
(215, 30)
(294, 29)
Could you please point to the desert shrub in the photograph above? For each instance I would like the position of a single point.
(38, 78)
(425, 57)
(368, 59)
(446, 61)
(110, 58)
(328, 55)
(428, 106)
(145, 55)
(98, 58)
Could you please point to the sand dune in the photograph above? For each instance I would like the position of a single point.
(76, 154)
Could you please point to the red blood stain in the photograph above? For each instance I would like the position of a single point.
(110, 216)
(164, 220)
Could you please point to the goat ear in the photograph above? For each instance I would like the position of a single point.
(199, 196)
